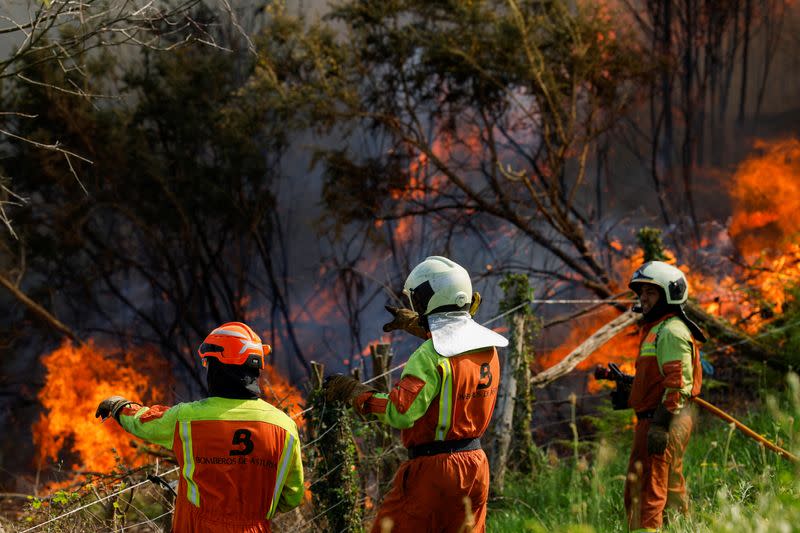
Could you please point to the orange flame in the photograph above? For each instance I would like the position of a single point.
(766, 195)
(621, 349)
(424, 178)
(78, 378)
(279, 392)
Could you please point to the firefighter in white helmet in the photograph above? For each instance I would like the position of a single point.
(668, 374)
(442, 403)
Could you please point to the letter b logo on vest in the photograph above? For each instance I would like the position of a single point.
(242, 436)
(486, 373)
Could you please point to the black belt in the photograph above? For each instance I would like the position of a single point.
(642, 415)
(443, 446)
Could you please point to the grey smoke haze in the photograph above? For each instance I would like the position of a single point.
(326, 335)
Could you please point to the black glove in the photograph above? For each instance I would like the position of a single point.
(658, 433)
(341, 388)
(111, 407)
(619, 397)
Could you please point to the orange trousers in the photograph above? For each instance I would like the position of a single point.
(427, 494)
(655, 482)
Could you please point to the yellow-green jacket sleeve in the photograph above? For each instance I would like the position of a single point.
(293, 489)
(674, 350)
(154, 424)
(412, 395)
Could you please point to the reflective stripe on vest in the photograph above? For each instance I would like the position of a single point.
(192, 494)
(286, 457)
(649, 345)
(445, 401)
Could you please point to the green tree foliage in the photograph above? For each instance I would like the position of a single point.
(177, 228)
(62, 40)
(459, 111)
(650, 242)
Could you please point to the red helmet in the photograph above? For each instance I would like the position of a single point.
(234, 343)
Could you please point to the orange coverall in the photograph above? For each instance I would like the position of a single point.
(668, 371)
(239, 461)
(445, 401)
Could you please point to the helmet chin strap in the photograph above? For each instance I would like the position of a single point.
(697, 333)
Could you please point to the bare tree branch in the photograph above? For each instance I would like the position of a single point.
(38, 310)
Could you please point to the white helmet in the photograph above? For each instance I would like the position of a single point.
(438, 284)
(669, 278)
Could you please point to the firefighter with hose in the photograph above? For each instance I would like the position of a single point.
(239, 456)
(668, 375)
(442, 403)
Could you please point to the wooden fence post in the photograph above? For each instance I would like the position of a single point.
(514, 408)
(380, 438)
(381, 362)
(523, 447)
(334, 461)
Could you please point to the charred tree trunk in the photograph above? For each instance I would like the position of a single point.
(748, 11)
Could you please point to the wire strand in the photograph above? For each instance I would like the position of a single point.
(308, 409)
(496, 317)
(99, 500)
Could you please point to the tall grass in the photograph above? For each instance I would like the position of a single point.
(735, 485)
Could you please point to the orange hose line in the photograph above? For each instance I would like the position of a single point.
(719, 413)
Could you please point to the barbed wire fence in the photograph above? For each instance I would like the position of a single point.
(311, 522)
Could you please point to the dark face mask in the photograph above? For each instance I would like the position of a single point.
(232, 381)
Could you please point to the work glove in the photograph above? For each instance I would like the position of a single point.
(405, 319)
(111, 407)
(408, 320)
(658, 433)
(345, 389)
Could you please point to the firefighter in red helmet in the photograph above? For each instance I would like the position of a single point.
(239, 456)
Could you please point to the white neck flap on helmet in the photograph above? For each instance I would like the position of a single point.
(455, 332)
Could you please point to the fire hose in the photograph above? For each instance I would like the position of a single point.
(613, 373)
(719, 413)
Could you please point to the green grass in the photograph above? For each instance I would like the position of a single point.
(734, 484)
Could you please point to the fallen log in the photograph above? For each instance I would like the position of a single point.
(718, 330)
(585, 349)
(724, 334)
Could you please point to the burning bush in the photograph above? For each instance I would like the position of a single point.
(279, 392)
(78, 378)
(766, 195)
